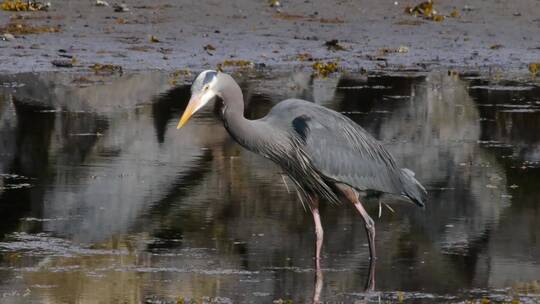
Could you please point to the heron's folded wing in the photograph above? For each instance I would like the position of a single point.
(343, 151)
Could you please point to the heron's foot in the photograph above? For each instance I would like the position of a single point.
(370, 282)
(370, 285)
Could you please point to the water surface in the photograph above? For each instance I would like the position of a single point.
(102, 200)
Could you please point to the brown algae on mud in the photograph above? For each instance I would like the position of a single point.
(17, 28)
(295, 17)
(21, 6)
(304, 57)
(177, 76)
(324, 69)
(64, 63)
(334, 45)
(401, 49)
(426, 10)
(106, 69)
(236, 63)
(534, 68)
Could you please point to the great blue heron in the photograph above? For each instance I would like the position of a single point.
(324, 153)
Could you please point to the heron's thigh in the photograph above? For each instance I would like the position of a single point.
(348, 192)
(313, 201)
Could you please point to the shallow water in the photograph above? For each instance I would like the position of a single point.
(103, 200)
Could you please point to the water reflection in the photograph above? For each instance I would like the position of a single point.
(102, 198)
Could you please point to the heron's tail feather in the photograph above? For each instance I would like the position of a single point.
(412, 188)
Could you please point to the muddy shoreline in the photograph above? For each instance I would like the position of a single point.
(491, 38)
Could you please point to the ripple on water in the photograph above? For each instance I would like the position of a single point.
(472, 296)
(502, 87)
(185, 270)
(42, 244)
(10, 181)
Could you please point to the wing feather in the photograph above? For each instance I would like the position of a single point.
(343, 151)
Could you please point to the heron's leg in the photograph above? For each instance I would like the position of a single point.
(352, 196)
(370, 227)
(370, 283)
(314, 204)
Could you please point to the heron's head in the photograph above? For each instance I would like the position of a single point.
(203, 89)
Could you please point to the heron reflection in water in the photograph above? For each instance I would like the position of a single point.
(323, 152)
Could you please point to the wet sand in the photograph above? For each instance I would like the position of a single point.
(488, 36)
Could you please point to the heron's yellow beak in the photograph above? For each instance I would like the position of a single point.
(197, 101)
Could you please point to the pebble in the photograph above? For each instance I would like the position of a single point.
(7, 37)
(120, 8)
(62, 63)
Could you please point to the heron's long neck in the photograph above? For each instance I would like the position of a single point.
(251, 134)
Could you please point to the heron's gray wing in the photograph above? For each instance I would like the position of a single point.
(344, 152)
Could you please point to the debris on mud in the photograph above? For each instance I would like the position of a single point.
(154, 39)
(401, 49)
(424, 9)
(304, 57)
(120, 8)
(209, 49)
(21, 6)
(325, 68)
(330, 20)
(140, 48)
(454, 13)
(289, 17)
(121, 20)
(496, 46)
(333, 45)
(237, 63)
(83, 81)
(293, 17)
(24, 29)
(154, 7)
(274, 3)
(527, 287)
(409, 22)
(64, 63)
(428, 12)
(176, 76)
(101, 3)
(534, 68)
(7, 37)
(106, 69)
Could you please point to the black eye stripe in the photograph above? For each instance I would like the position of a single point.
(204, 79)
(208, 77)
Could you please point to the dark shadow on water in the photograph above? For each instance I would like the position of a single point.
(169, 229)
(168, 106)
(28, 157)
